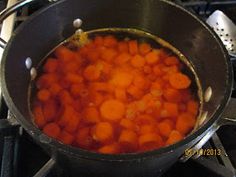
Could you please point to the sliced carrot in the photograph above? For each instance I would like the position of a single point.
(171, 108)
(103, 131)
(152, 57)
(174, 137)
(192, 107)
(46, 80)
(52, 130)
(74, 78)
(65, 97)
(140, 82)
(133, 47)
(109, 55)
(92, 73)
(150, 141)
(65, 54)
(98, 40)
(71, 67)
(128, 140)
(120, 94)
(50, 110)
(146, 128)
(172, 95)
(122, 58)
(51, 65)
(157, 70)
(93, 55)
(110, 41)
(127, 124)
(147, 69)
(73, 122)
(179, 81)
(144, 48)
(145, 119)
(123, 46)
(122, 79)
(91, 115)
(77, 89)
(137, 61)
(67, 113)
(110, 149)
(96, 98)
(171, 61)
(83, 138)
(43, 95)
(38, 116)
(186, 95)
(135, 92)
(185, 122)
(55, 88)
(101, 87)
(66, 137)
(112, 110)
(165, 127)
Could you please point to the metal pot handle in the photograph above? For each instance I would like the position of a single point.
(10, 10)
(227, 118)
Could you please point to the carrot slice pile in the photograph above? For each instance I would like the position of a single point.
(114, 95)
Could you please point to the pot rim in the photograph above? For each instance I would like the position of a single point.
(81, 153)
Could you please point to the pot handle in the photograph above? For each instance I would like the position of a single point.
(227, 118)
(10, 10)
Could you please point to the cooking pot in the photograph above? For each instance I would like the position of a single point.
(45, 29)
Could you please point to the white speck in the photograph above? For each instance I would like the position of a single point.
(77, 23)
(28, 62)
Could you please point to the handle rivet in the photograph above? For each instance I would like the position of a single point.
(208, 94)
(33, 73)
(28, 62)
(77, 23)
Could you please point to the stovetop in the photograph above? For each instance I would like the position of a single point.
(21, 157)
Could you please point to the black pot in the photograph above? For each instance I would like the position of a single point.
(47, 28)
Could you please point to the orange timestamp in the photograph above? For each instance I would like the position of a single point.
(204, 152)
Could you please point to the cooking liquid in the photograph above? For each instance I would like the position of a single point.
(77, 41)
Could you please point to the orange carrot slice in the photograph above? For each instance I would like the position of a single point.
(137, 61)
(66, 137)
(179, 81)
(110, 149)
(122, 58)
(185, 122)
(110, 41)
(192, 107)
(43, 95)
(174, 137)
(52, 130)
(112, 110)
(171, 61)
(92, 73)
(152, 57)
(165, 127)
(83, 138)
(128, 140)
(51, 65)
(133, 47)
(103, 131)
(38, 116)
(91, 115)
(144, 48)
(171, 108)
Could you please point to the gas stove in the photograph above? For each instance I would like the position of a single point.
(21, 157)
